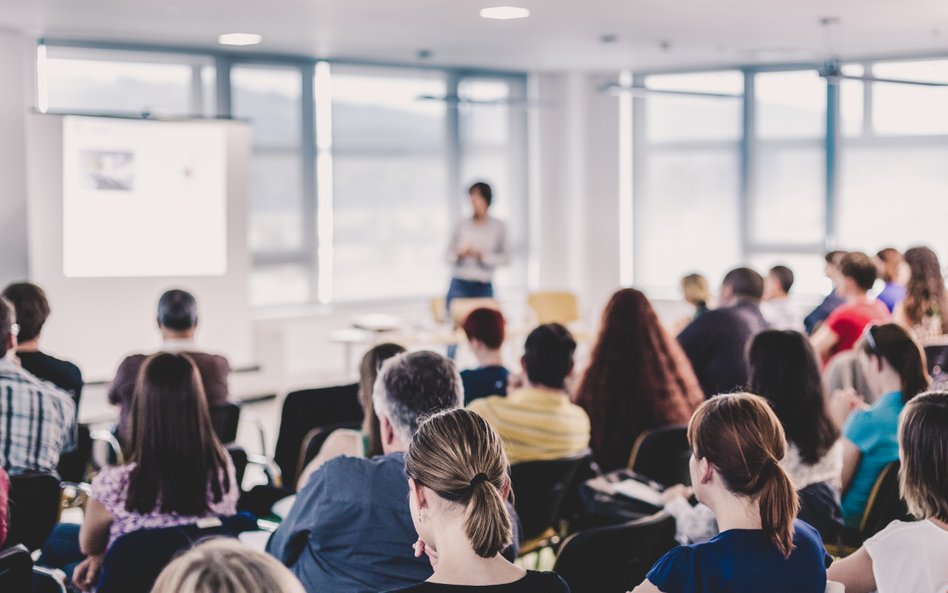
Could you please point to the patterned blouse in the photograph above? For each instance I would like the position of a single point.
(110, 487)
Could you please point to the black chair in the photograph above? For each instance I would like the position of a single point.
(240, 459)
(226, 418)
(820, 507)
(314, 440)
(885, 503)
(48, 580)
(662, 455)
(73, 466)
(16, 569)
(540, 488)
(135, 560)
(614, 559)
(34, 508)
(306, 410)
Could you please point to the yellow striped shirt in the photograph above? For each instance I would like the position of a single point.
(536, 424)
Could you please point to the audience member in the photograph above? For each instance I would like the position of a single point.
(38, 419)
(176, 473)
(538, 421)
(777, 308)
(357, 443)
(846, 324)
(910, 556)
(716, 342)
(894, 362)
(924, 311)
(177, 321)
(4, 506)
(458, 482)
(697, 293)
(833, 300)
(226, 566)
(737, 442)
(484, 328)
(349, 530)
(892, 270)
(638, 379)
(32, 310)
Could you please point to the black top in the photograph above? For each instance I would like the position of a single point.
(489, 380)
(716, 344)
(532, 582)
(61, 373)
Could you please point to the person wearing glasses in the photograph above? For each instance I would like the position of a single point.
(38, 420)
(893, 363)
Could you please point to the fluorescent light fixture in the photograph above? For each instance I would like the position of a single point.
(239, 39)
(504, 13)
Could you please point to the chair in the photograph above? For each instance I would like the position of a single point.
(314, 439)
(240, 459)
(48, 580)
(135, 560)
(73, 466)
(16, 569)
(554, 307)
(820, 507)
(225, 418)
(662, 455)
(34, 508)
(308, 409)
(885, 503)
(462, 307)
(540, 488)
(616, 558)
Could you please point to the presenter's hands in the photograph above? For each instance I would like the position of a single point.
(87, 573)
(421, 548)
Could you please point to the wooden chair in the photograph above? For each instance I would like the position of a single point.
(554, 307)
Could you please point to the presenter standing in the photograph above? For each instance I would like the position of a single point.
(478, 245)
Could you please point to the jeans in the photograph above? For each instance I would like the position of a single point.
(465, 289)
(61, 550)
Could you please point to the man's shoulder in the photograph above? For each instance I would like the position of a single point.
(355, 473)
(45, 389)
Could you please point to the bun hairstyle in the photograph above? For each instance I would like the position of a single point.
(460, 457)
(742, 438)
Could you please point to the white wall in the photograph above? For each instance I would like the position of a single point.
(16, 84)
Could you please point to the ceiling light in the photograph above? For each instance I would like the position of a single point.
(239, 39)
(504, 13)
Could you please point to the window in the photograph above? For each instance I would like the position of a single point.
(689, 118)
(790, 104)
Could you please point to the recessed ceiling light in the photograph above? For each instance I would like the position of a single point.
(239, 39)
(504, 13)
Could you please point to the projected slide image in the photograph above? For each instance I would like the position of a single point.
(107, 169)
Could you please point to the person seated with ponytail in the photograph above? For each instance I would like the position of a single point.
(458, 482)
(737, 443)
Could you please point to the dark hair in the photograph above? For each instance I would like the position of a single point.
(740, 436)
(888, 259)
(461, 458)
(895, 345)
(485, 325)
(925, 293)
(548, 355)
(411, 386)
(368, 373)
(32, 308)
(7, 319)
(784, 276)
(859, 267)
(484, 190)
(177, 455)
(177, 310)
(745, 282)
(784, 370)
(923, 440)
(834, 257)
(638, 379)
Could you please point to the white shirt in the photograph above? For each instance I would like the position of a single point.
(489, 237)
(782, 314)
(910, 557)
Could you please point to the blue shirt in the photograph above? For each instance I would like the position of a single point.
(744, 561)
(489, 380)
(875, 434)
(832, 302)
(892, 295)
(350, 529)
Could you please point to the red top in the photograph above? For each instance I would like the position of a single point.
(849, 321)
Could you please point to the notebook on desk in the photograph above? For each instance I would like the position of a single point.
(639, 491)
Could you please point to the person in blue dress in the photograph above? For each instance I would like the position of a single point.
(737, 443)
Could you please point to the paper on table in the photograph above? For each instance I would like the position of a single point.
(639, 491)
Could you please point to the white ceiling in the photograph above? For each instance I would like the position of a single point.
(560, 34)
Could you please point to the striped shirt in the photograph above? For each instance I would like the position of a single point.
(536, 424)
(37, 422)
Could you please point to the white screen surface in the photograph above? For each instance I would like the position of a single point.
(143, 198)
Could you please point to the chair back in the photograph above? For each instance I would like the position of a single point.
(240, 459)
(662, 455)
(307, 409)
(34, 508)
(73, 466)
(16, 569)
(48, 580)
(225, 418)
(314, 439)
(614, 559)
(820, 507)
(461, 307)
(885, 503)
(134, 561)
(540, 488)
(554, 307)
